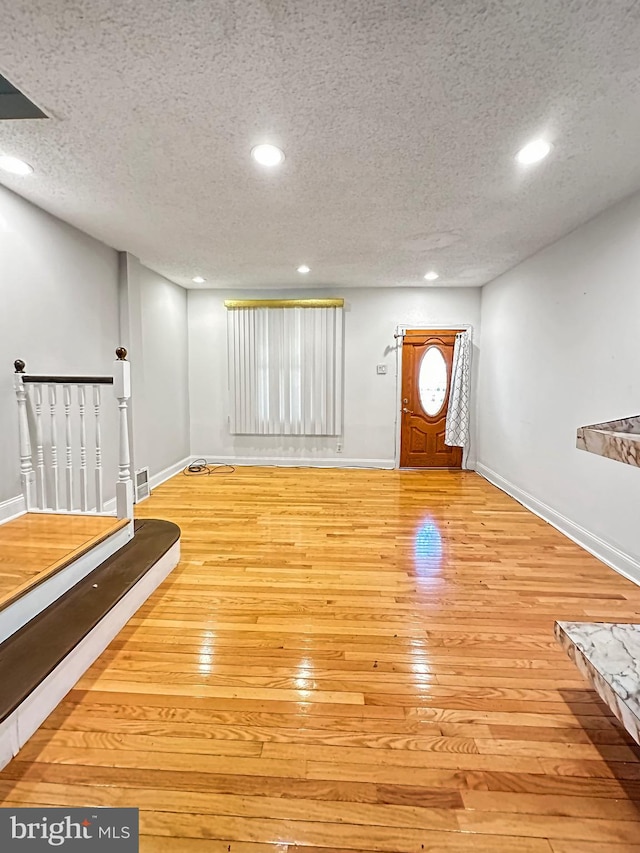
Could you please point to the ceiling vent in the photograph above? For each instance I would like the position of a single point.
(15, 105)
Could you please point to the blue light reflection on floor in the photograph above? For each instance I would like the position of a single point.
(427, 549)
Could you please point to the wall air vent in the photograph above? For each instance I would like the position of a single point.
(142, 487)
(13, 104)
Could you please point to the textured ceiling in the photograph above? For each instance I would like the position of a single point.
(400, 120)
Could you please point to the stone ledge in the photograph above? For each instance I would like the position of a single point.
(608, 656)
(618, 440)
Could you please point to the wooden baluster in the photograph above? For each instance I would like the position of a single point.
(98, 474)
(84, 491)
(41, 486)
(53, 399)
(122, 392)
(27, 474)
(69, 468)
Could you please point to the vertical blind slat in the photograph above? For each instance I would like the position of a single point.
(231, 373)
(337, 373)
(331, 355)
(244, 354)
(261, 342)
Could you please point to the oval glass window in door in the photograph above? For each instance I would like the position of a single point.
(432, 381)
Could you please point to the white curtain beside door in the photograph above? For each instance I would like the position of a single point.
(457, 428)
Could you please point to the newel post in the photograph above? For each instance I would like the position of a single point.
(27, 473)
(122, 392)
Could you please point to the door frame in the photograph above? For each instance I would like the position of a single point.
(399, 337)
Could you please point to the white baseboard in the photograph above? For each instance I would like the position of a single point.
(18, 727)
(12, 508)
(167, 473)
(294, 461)
(623, 563)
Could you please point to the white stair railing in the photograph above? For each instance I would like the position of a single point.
(122, 392)
(40, 477)
(98, 442)
(69, 446)
(53, 433)
(27, 474)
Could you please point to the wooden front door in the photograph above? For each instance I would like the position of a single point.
(427, 357)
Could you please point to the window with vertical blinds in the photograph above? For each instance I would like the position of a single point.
(285, 367)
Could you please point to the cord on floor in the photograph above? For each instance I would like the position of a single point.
(200, 466)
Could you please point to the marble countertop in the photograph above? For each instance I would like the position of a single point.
(629, 436)
(618, 440)
(627, 426)
(608, 655)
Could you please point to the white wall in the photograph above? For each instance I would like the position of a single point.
(371, 317)
(560, 349)
(58, 312)
(165, 370)
(154, 322)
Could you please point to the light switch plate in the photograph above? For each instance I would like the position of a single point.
(381, 368)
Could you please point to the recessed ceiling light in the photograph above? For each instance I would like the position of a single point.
(198, 279)
(432, 276)
(267, 155)
(304, 269)
(533, 151)
(15, 166)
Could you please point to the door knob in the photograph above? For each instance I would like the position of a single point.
(407, 411)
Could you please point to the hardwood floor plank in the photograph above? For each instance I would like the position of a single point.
(247, 739)
(602, 720)
(548, 749)
(561, 735)
(559, 846)
(192, 700)
(180, 761)
(323, 835)
(550, 826)
(550, 783)
(163, 844)
(103, 714)
(283, 808)
(90, 682)
(552, 804)
(231, 783)
(110, 740)
(437, 767)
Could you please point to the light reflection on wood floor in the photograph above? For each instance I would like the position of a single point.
(351, 660)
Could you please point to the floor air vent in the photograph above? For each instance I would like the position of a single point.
(142, 487)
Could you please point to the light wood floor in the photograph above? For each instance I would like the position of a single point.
(351, 660)
(37, 545)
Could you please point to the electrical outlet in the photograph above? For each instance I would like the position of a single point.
(381, 369)
(339, 447)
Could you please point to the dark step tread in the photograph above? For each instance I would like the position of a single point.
(33, 652)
